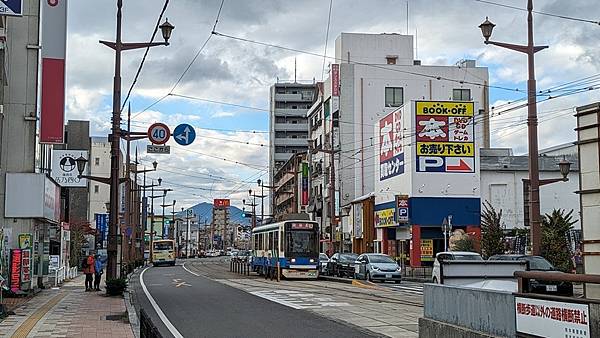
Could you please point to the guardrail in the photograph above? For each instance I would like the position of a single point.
(239, 266)
(417, 272)
(59, 275)
(525, 276)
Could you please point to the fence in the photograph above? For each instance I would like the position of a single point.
(423, 272)
(239, 266)
(147, 328)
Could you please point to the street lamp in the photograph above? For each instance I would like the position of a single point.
(565, 168)
(115, 137)
(534, 175)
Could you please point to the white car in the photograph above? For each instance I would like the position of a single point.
(451, 255)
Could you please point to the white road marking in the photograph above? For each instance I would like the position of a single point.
(188, 270)
(297, 300)
(157, 308)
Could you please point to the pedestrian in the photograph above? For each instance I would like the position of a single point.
(578, 261)
(98, 270)
(88, 269)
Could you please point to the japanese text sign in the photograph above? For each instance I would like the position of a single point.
(544, 318)
(391, 154)
(385, 218)
(445, 134)
(15, 270)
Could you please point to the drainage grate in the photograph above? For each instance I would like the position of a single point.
(114, 317)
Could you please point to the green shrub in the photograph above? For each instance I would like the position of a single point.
(115, 287)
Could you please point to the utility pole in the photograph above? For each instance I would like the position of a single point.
(534, 175)
(115, 137)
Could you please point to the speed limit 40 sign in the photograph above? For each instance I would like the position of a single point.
(159, 133)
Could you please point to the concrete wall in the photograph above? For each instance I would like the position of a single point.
(19, 101)
(504, 190)
(482, 310)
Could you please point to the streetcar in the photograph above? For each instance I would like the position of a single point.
(292, 243)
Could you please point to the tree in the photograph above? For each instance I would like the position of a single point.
(555, 244)
(492, 231)
(466, 243)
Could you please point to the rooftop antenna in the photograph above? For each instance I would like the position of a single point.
(407, 33)
(295, 70)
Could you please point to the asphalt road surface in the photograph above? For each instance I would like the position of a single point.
(183, 303)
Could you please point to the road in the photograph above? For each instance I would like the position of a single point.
(201, 298)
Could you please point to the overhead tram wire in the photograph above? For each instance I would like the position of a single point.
(383, 67)
(326, 40)
(139, 70)
(187, 68)
(538, 12)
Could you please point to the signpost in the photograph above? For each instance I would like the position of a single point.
(402, 209)
(159, 133)
(184, 134)
(154, 149)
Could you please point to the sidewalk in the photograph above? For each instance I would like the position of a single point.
(69, 312)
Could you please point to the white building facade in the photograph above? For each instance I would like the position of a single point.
(99, 166)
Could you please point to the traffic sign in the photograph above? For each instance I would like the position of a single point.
(184, 134)
(159, 133)
(12, 7)
(152, 149)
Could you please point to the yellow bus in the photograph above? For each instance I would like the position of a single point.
(163, 252)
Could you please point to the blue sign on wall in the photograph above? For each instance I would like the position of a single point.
(11, 7)
(430, 211)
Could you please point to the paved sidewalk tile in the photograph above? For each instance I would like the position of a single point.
(78, 314)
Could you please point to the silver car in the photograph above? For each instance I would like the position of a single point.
(377, 267)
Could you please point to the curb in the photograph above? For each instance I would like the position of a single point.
(336, 279)
(134, 321)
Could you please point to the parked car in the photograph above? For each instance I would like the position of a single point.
(539, 263)
(342, 264)
(323, 260)
(451, 255)
(377, 267)
(242, 255)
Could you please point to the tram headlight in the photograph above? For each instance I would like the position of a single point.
(311, 260)
(293, 260)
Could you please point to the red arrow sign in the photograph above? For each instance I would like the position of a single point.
(462, 166)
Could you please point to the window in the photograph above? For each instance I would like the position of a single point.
(391, 60)
(270, 244)
(97, 161)
(255, 241)
(461, 94)
(394, 96)
(294, 107)
(96, 189)
(276, 240)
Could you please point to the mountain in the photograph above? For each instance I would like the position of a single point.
(204, 213)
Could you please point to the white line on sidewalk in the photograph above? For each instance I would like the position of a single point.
(158, 310)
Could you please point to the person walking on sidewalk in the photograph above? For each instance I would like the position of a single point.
(88, 270)
(99, 269)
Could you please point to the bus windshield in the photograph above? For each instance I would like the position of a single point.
(302, 243)
(166, 245)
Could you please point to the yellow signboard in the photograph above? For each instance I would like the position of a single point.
(426, 249)
(445, 108)
(446, 149)
(385, 218)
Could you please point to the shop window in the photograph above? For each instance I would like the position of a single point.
(461, 94)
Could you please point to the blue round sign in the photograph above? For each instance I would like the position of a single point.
(184, 134)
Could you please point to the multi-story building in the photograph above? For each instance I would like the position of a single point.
(288, 125)
(290, 195)
(377, 75)
(99, 165)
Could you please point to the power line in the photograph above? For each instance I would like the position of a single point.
(326, 39)
(387, 68)
(538, 12)
(187, 68)
(139, 70)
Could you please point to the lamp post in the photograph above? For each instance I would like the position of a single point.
(142, 218)
(152, 197)
(118, 46)
(262, 197)
(534, 175)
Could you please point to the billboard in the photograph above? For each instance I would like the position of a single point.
(221, 203)
(54, 42)
(445, 137)
(402, 209)
(385, 215)
(335, 87)
(64, 168)
(14, 282)
(30, 195)
(391, 152)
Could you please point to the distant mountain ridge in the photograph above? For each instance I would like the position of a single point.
(203, 212)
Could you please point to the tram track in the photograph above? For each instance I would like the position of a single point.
(217, 267)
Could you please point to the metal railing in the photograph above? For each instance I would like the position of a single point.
(239, 266)
(417, 272)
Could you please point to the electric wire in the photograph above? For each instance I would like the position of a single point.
(538, 12)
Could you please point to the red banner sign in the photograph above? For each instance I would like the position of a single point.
(221, 203)
(25, 266)
(15, 270)
(335, 79)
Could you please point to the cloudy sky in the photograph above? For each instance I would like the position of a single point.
(231, 149)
